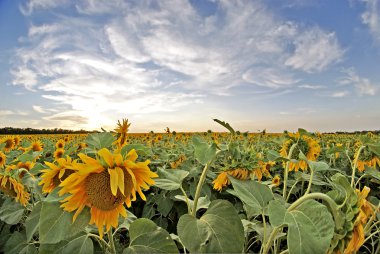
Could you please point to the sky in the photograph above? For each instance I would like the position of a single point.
(260, 64)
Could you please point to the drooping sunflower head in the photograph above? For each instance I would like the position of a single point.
(36, 146)
(14, 188)
(305, 144)
(221, 181)
(56, 173)
(104, 184)
(276, 181)
(60, 144)
(3, 159)
(58, 153)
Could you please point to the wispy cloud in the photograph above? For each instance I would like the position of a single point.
(340, 94)
(146, 57)
(362, 85)
(312, 86)
(315, 50)
(371, 17)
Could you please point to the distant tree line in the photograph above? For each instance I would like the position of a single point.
(11, 130)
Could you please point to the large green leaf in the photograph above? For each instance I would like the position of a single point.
(33, 220)
(219, 230)
(204, 152)
(11, 211)
(310, 228)
(170, 179)
(226, 125)
(15, 243)
(203, 202)
(277, 212)
(56, 225)
(101, 140)
(140, 149)
(81, 245)
(252, 193)
(147, 237)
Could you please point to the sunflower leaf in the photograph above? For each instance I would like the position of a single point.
(11, 212)
(204, 152)
(56, 224)
(310, 228)
(219, 230)
(81, 245)
(170, 179)
(252, 193)
(147, 237)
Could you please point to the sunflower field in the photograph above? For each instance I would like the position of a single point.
(231, 192)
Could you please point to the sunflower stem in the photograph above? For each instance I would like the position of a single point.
(200, 184)
(310, 181)
(287, 169)
(354, 165)
(111, 242)
(187, 200)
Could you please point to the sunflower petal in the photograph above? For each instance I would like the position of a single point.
(107, 156)
(114, 180)
(120, 174)
(132, 155)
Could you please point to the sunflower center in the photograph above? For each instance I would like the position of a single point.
(57, 181)
(98, 189)
(9, 143)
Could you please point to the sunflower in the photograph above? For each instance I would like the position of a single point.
(16, 140)
(3, 159)
(365, 211)
(28, 165)
(60, 144)
(306, 144)
(367, 158)
(121, 132)
(59, 153)
(14, 188)
(104, 184)
(222, 179)
(53, 176)
(9, 144)
(36, 146)
(276, 181)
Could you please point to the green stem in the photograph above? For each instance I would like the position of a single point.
(199, 188)
(310, 181)
(265, 229)
(354, 166)
(268, 244)
(201, 182)
(291, 190)
(287, 169)
(187, 200)
(111, 242)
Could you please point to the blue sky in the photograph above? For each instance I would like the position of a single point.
(275, 64)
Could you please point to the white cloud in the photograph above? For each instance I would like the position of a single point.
(311, 86)
(146, 57)
(314, 51)
(39, 109)
(32, 5)
(6, 113)
(371, 17)
(363, 86)
(340, 94)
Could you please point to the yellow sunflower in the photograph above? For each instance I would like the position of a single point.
(14, 188)
(36, 146)
(104, 184)
(121, 132)
(53, 176)
(306, 144)
(58, 153)
(3, 159)
(276, 181)
(16, 140)
(9, 144)
(60, 144)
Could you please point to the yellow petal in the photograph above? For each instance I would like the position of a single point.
(107, 156)
(132, 155)
(114, 180)
(118, 159)
(86, 159)
(120, 174)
